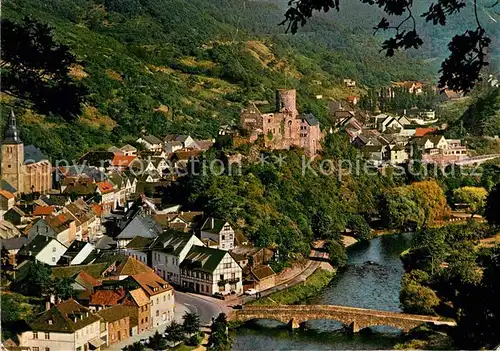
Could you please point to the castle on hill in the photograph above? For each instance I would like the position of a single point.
(285, 127)
(24, 168)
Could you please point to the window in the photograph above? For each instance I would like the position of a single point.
(223, 237)
(164, 298)
(222, 277)
(47, 335)
(54, 249)
(35, 335)
(47, 349)
(227, 265)
(146, 319)
(233, 276)
(157, 300)
(157, 313)
(36, 348)
(53, 259)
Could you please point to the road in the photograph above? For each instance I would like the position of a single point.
(206, 307)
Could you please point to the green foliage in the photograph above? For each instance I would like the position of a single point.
(191, 323)
(361, 229)
(157, 342)
(35, 67)
(474, 197)
(415, 297)
(492, 209)
(175, 332)
(200, 59)
(62, 288)
(16, 310)
(444, 264)
(219, 339)
(136, 346)
(337, 254)
(416, 204)
(482, 117)
(37, 281)
(298, 293)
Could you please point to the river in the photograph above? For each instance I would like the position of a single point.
(370, 280)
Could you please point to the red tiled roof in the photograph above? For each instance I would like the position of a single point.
(122, 161)
(6, 194)
(43, 210)
(97, 209)
(107, 297)
(424, 131)
(105, 187)
(151, 283)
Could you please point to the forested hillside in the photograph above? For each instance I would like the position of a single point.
(188, 66)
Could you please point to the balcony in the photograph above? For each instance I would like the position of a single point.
(234, 281)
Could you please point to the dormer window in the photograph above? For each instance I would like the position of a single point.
(50, 322)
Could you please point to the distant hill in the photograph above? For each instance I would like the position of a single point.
(189, 65)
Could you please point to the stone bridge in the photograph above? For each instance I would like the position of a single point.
(353, 318)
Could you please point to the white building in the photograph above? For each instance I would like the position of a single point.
(208, 271)
(217, 233)
(67, 326)
(169, 250)
(44, 249)
(151, 143)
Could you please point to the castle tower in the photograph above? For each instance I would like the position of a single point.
(286, 99)
(13, 155)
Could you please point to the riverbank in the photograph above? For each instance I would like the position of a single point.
(299, 292)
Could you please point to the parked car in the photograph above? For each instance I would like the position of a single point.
(251, 292)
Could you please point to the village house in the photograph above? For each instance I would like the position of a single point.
(8, 230)
(285, 127)
(208, 271)
(141, 225)
(16, 216)
(107, 192)
(138, 248)
(168, 252)
(88, 222)
(178, 142)
(103, 298)
(151, 143)
(7, 201)
(179, 220)
(77, 253)
(161, 297)
(349, 83)
(43, 211)
(217, 233)
(117, 323)
(66, 326)
(249, 255)
(12, 247)
(259, 278)
(128, 150)
(137, 300)
(24, 168)
(58, 227)
(43, 249)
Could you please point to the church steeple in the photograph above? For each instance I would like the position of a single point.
(11, 133)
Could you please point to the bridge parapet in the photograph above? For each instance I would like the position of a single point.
(355, 318)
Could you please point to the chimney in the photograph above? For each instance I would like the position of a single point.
(47, 305)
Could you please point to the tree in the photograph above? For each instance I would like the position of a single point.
(62, 288)
(191, 323)
(474, 197)
(415, 297)
(37, 281)
(219, 338)
(157, 342)
(136, 346)
(468, 51)
(492, 208)
(360, 228)
(35, 67)
(175, 332)
(337, 254)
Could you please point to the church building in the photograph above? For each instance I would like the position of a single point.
(24, 168)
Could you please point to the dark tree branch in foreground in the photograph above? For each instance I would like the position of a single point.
(460, 71)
